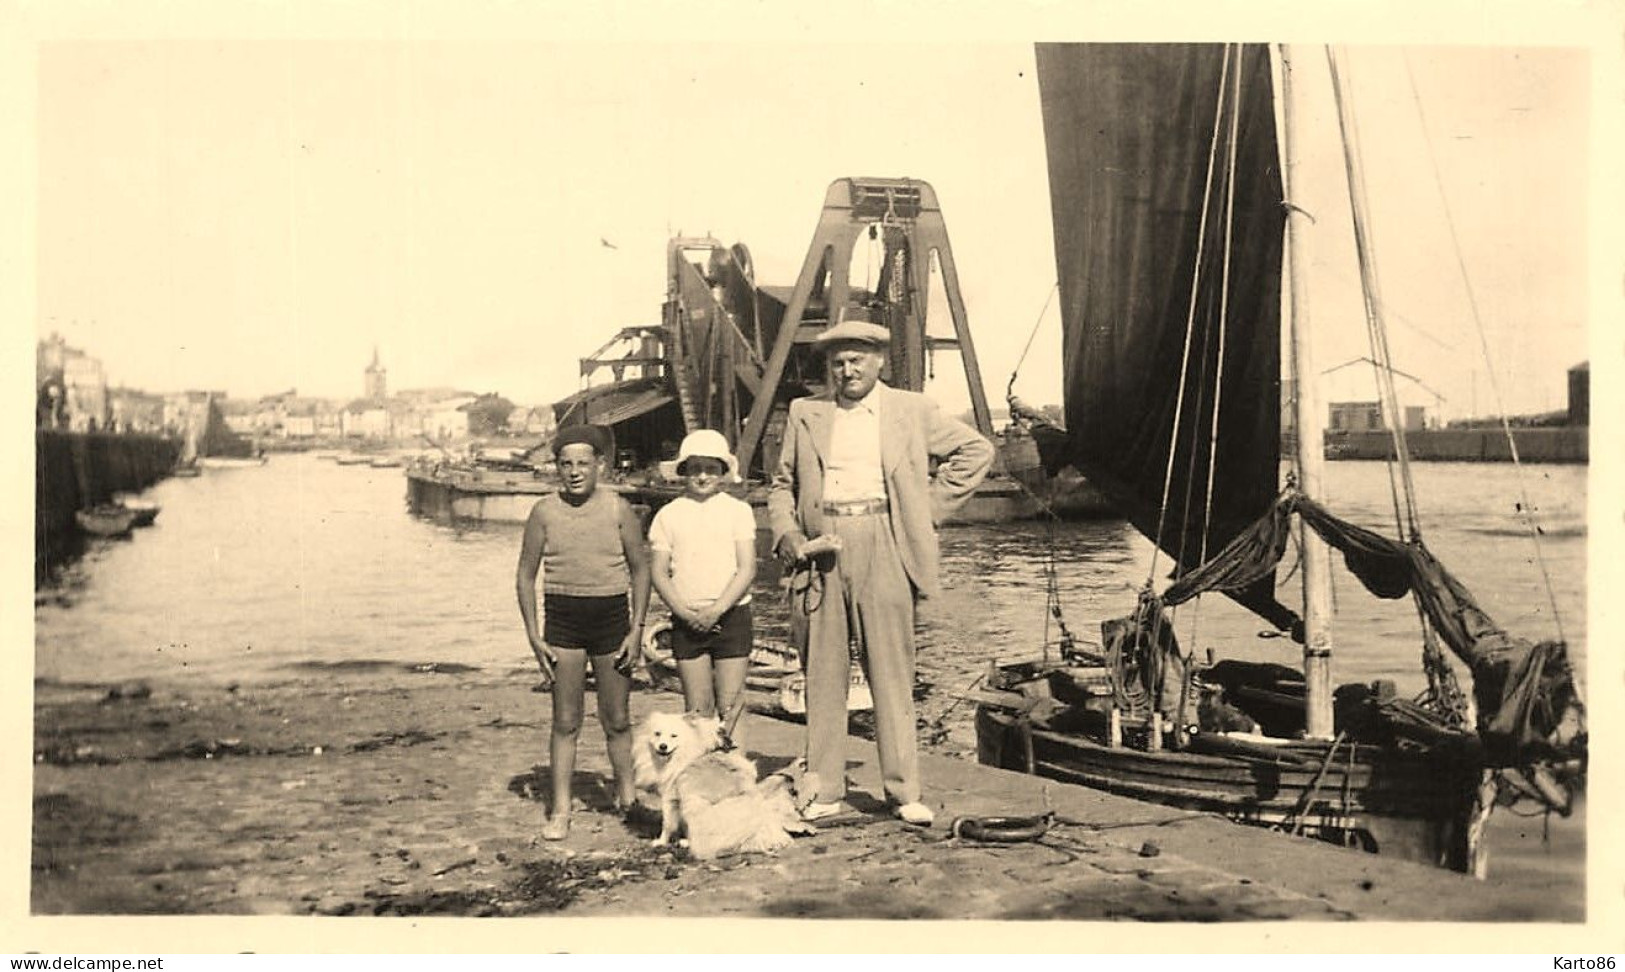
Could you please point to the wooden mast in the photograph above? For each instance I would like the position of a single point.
(1309, 438)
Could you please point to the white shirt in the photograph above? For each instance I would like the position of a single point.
(701, 538)
(853, 471)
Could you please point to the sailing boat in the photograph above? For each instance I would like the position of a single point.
(219, 447)
(1171, 232)
(186, 464)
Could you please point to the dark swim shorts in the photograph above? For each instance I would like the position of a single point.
(732, 639)
(598, 624)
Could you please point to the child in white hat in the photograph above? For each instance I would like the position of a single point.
(704, 559)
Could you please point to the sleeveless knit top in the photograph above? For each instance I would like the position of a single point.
(583, 556)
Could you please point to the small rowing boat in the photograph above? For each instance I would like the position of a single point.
(107, 520)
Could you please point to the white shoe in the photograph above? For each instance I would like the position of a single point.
(917, 814)
(823, 811)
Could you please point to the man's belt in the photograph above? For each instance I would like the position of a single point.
(856, 507)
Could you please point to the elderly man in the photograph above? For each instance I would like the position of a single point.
(855, 473)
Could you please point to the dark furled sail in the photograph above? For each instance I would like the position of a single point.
(1129, 132)
(218, 439)
(1523, 689)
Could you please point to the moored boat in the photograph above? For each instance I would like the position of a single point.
(1172, 221)
(232, 462)
(107, 520)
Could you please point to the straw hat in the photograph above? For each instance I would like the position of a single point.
(702, 444)
(853, 329)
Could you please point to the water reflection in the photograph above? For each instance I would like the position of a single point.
(250, 570)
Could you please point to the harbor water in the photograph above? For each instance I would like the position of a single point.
(303, 568)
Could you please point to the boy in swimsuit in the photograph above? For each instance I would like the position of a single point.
(589, 546)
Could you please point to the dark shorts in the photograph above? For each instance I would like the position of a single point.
(732, 639)
(598, 624)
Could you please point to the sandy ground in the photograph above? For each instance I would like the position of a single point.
(400, 792)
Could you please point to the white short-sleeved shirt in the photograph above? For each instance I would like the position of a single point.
(700, 536)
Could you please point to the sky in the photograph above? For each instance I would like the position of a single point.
(260, 215)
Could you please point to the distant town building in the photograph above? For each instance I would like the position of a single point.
(271, 414)
(185, 412)
(367, 418)
(1355, 417)
(329, 419)
(1367, 417)
(239, 414)
(136, 411)
(432, 412)
(376, 388)
(1580, 394)
(71, 385)
(299, 418)
(446, 418)
(531, 420)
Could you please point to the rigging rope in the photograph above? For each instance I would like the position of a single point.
(1149, 661)
(1009, 389)
(1443, 691)
(1218, 359)
(1376, 335)
(1224, 309)
(1190, 317)
(1223, 322)
(1524, 507)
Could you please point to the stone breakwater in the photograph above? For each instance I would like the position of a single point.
(1565, 444)
(76, 470)
(417, 790)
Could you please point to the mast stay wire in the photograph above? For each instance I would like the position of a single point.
(1525, 510)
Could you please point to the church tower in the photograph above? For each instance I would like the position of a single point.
(376, 388)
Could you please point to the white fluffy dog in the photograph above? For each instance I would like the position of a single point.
(710, 795)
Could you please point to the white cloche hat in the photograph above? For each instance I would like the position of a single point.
(702, 443)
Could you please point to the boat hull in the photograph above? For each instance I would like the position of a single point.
(106, 522)
(1067, 494)
(230, 462)
(473, 495)
(1396, 803)
(495, 497)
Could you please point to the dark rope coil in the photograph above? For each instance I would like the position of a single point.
(1001, 830)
